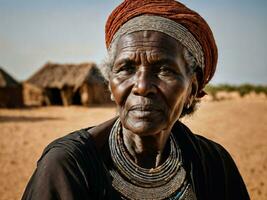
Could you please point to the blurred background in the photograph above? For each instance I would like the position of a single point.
(49, 86)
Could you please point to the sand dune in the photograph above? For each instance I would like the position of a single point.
(240, 125)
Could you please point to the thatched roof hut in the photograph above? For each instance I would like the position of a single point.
(71, 84)
(10, 91)
(6, 80)
(32, 95)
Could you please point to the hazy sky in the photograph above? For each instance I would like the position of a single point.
(33, 32)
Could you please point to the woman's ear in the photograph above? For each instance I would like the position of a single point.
(193, 90)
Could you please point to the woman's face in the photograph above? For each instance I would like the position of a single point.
(149, 81)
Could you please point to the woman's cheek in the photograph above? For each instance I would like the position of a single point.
(121, 89)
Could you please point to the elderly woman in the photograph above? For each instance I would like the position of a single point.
(161, 55)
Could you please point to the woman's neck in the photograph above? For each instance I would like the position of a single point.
(147, 151)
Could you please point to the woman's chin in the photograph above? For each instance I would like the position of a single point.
(144, 127)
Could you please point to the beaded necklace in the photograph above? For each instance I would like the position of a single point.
(167, 181)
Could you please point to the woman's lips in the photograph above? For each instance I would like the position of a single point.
(144, 111)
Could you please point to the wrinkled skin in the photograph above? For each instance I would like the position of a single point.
(150, 84)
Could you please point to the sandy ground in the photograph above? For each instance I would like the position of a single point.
(239, 125)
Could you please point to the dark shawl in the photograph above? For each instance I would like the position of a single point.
(73, 168)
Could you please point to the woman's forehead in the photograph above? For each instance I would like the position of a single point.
(148, 40)
(151, 42)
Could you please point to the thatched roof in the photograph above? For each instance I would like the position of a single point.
(6, 80)
(53, 75)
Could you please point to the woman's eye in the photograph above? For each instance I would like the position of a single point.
(166, 70)
(126, 69)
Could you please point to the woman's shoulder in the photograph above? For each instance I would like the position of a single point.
(70, 145)
(84, 143)
(216, 165)
(70, 167)
(212, 156)
(73, 156)
(202, 144)
(212, 147)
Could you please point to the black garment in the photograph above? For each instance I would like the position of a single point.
(72, 168)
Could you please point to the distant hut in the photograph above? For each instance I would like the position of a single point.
(10, 91)
(67, 84)
(32, 95)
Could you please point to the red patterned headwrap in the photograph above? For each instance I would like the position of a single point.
(177, 12)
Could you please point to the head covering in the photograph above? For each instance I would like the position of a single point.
(166, 26)
(176, 12)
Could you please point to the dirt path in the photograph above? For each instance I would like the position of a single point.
(239, 125)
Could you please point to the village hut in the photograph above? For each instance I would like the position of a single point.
(10, 91)
(68, 84)
(32, 95)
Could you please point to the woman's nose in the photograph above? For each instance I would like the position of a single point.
(144, 84)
